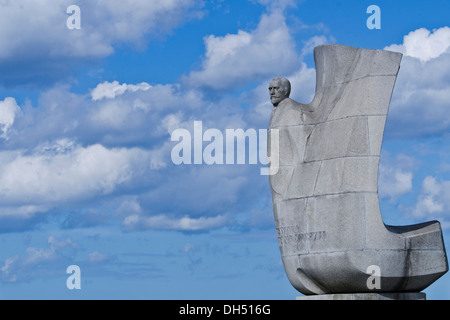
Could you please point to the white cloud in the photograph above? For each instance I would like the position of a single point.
(277, 5)
(55, 175)
(98, 257)
(419, 105)
(424, 44)
(131, 20)
(8, 111)
(42, 24)
(163, 222)
(112, 89)
(395, 183)
(37, 48)
(129, 207)
(434, 198)
(26, 211)
(315, 41)
(75, 148)
(130, 118)
(395, 176)
(112, 114)
(17, 268)
(72, 148)
(233, 59)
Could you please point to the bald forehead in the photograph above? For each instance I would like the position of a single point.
(275, 83)
(282, 83)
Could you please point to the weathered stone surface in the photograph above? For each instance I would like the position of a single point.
(368, 296)
(325, 193)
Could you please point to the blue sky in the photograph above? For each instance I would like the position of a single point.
(86, 116)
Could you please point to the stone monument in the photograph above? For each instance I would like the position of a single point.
(333, 241)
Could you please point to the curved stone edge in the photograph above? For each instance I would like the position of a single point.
(367, 296)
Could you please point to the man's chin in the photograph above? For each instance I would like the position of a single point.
(275, 102)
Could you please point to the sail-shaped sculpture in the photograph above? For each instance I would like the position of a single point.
(325, 190)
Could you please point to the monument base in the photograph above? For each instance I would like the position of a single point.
(367, 296)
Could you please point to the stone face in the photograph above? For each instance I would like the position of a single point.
(325, 193)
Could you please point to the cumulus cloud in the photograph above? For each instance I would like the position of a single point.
(139, 115)
(37, 47)
(65, 172)
(103, 24)
(73, 148)
(8, 111)
(395, 176)
(112, 89)
(163, 222)
(234, 59)
(395, 183)
(19, 268)
(277, 5)
(98, 257)
(310, 44)
(424, 44)
(130, 21)
(137, 218)
(419, 105)
(434, 199)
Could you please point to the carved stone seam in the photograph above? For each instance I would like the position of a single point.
(328, 159)
(326, 195)
(317, 177)
(331, 120)
(360, 78)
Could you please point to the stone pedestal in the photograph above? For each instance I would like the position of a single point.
(367, 296)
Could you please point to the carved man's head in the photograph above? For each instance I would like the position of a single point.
(280, 89)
